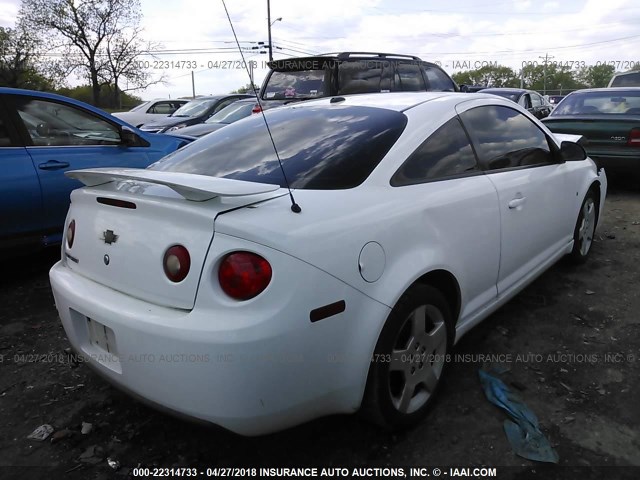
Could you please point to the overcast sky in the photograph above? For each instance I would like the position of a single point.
(460, 35)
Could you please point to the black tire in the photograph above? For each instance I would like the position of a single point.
(407, 355)
(585, 228)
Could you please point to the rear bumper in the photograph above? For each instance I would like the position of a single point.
(618, 163)
(251, 372)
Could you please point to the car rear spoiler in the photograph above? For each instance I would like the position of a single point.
(193, 187)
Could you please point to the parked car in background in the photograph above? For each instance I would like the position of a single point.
(150, 111)
(302, 78)
(44, 135)
(416, 215)
(194, 112)
(626, 79)
(228, 115)
(609, 119)
(554, 100)
(471, 88)
(532, 101)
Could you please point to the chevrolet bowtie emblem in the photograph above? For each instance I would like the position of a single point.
(109, 237)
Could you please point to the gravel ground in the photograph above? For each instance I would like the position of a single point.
(570, 342)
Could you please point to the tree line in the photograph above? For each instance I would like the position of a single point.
(98, 41)
(553, 79)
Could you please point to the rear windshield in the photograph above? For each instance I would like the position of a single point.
(602, 102)
(296, 84)
(628, 80)
(320, 148)
(513, 96)
(194, 108)
(232, 113)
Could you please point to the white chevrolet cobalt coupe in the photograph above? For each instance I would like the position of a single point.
(202, 286)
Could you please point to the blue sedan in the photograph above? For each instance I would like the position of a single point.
(42, 135)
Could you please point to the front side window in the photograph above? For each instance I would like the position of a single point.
(55, 124)
(446, 153)
(164, 108)
(505, 138)
(525, 101)
(320, 148)
(536, 100)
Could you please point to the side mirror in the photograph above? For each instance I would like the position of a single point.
(572, 152)
(129, 138)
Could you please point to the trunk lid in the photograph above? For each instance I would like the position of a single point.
(124, 227)
(602, 132)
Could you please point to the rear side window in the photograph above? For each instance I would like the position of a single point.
(365, 76)
(505, 138)
(446, 153)
(438, 80)
(320, 148)
(409, 78)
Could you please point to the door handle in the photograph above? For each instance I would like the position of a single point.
(53, 165)
(516, 202)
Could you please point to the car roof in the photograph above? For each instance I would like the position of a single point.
(398, 101)
(506, 89)
(608, 89)
(622, 74)
(51, 96)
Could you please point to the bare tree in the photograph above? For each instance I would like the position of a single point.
(84, 29)
(123, 62)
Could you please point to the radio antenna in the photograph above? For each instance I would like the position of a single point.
(294, 206)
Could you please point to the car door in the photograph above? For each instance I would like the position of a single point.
(60, 137)
(20, 196)
(460, 204)
(535, 212)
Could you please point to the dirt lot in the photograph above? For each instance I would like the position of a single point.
(571, 342)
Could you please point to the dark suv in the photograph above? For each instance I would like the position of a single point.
(326, 75)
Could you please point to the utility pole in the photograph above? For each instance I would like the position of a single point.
(193, 85)
(546, 59)
(269, 24)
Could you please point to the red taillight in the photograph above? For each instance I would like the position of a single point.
(243, 275)
(256, 109)
(634, 138)
(71, 233)
(176, 263)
